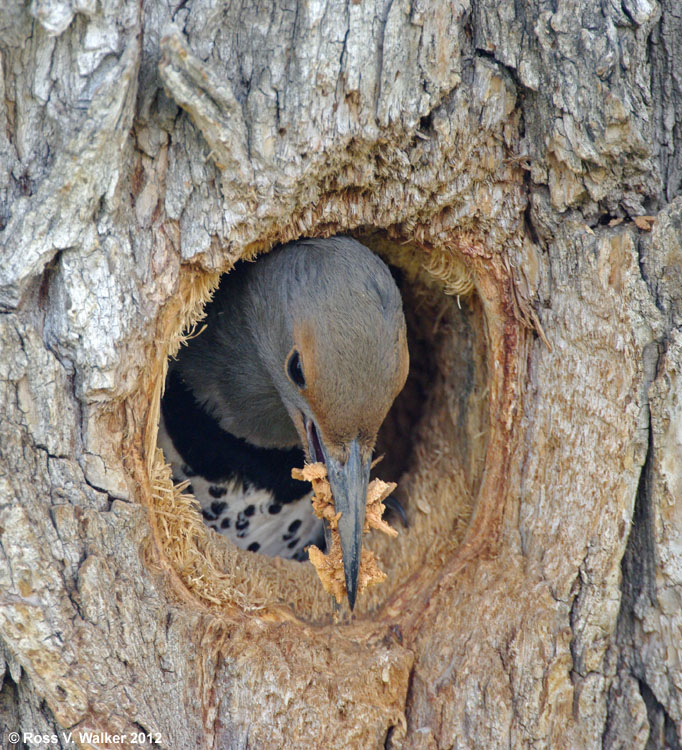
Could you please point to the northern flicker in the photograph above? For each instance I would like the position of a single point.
(303, 353)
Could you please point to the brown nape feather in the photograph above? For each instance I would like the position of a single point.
(350, 331)
(354, 370)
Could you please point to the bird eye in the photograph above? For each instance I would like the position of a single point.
(295, 369)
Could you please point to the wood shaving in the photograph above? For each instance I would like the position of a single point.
(329, 566)
(644, 222)
(377, 492)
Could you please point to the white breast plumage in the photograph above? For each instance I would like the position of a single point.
(248, 516)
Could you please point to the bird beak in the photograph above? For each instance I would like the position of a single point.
(348, 483)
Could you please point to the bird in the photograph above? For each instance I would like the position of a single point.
(302, 355)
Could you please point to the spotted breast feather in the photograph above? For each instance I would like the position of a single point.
(245, 492)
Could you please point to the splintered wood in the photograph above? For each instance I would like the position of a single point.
(329, 567)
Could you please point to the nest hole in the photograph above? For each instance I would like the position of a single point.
(433, 441)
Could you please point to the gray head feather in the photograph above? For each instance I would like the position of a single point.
(335, 303)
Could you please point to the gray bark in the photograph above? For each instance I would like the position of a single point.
(507, 147)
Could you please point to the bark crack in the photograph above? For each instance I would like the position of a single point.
(638, 590)
(662, 728)
(380, 58)
(486, 54)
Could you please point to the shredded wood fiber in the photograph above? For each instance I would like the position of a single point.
(329, 567)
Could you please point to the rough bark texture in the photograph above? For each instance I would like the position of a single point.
(509, 147)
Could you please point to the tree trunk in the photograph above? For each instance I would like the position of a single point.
(505, 156)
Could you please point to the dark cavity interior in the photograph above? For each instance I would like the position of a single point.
(445, 350)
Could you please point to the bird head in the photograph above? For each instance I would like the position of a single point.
(343, 358)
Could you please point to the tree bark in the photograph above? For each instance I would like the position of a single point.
(522, 164)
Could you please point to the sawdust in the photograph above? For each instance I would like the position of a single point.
(645, 223)
(329, 566)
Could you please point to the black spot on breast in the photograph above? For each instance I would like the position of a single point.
(225, 523)
(275, 508)
(208, 515)
(242, 522)
(215, 491)
(293, 543)
(253, 547)
(250, 510)
(189, 489)
(218, 508)
(293, 528)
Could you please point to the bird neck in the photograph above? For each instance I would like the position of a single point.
(225, 367)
